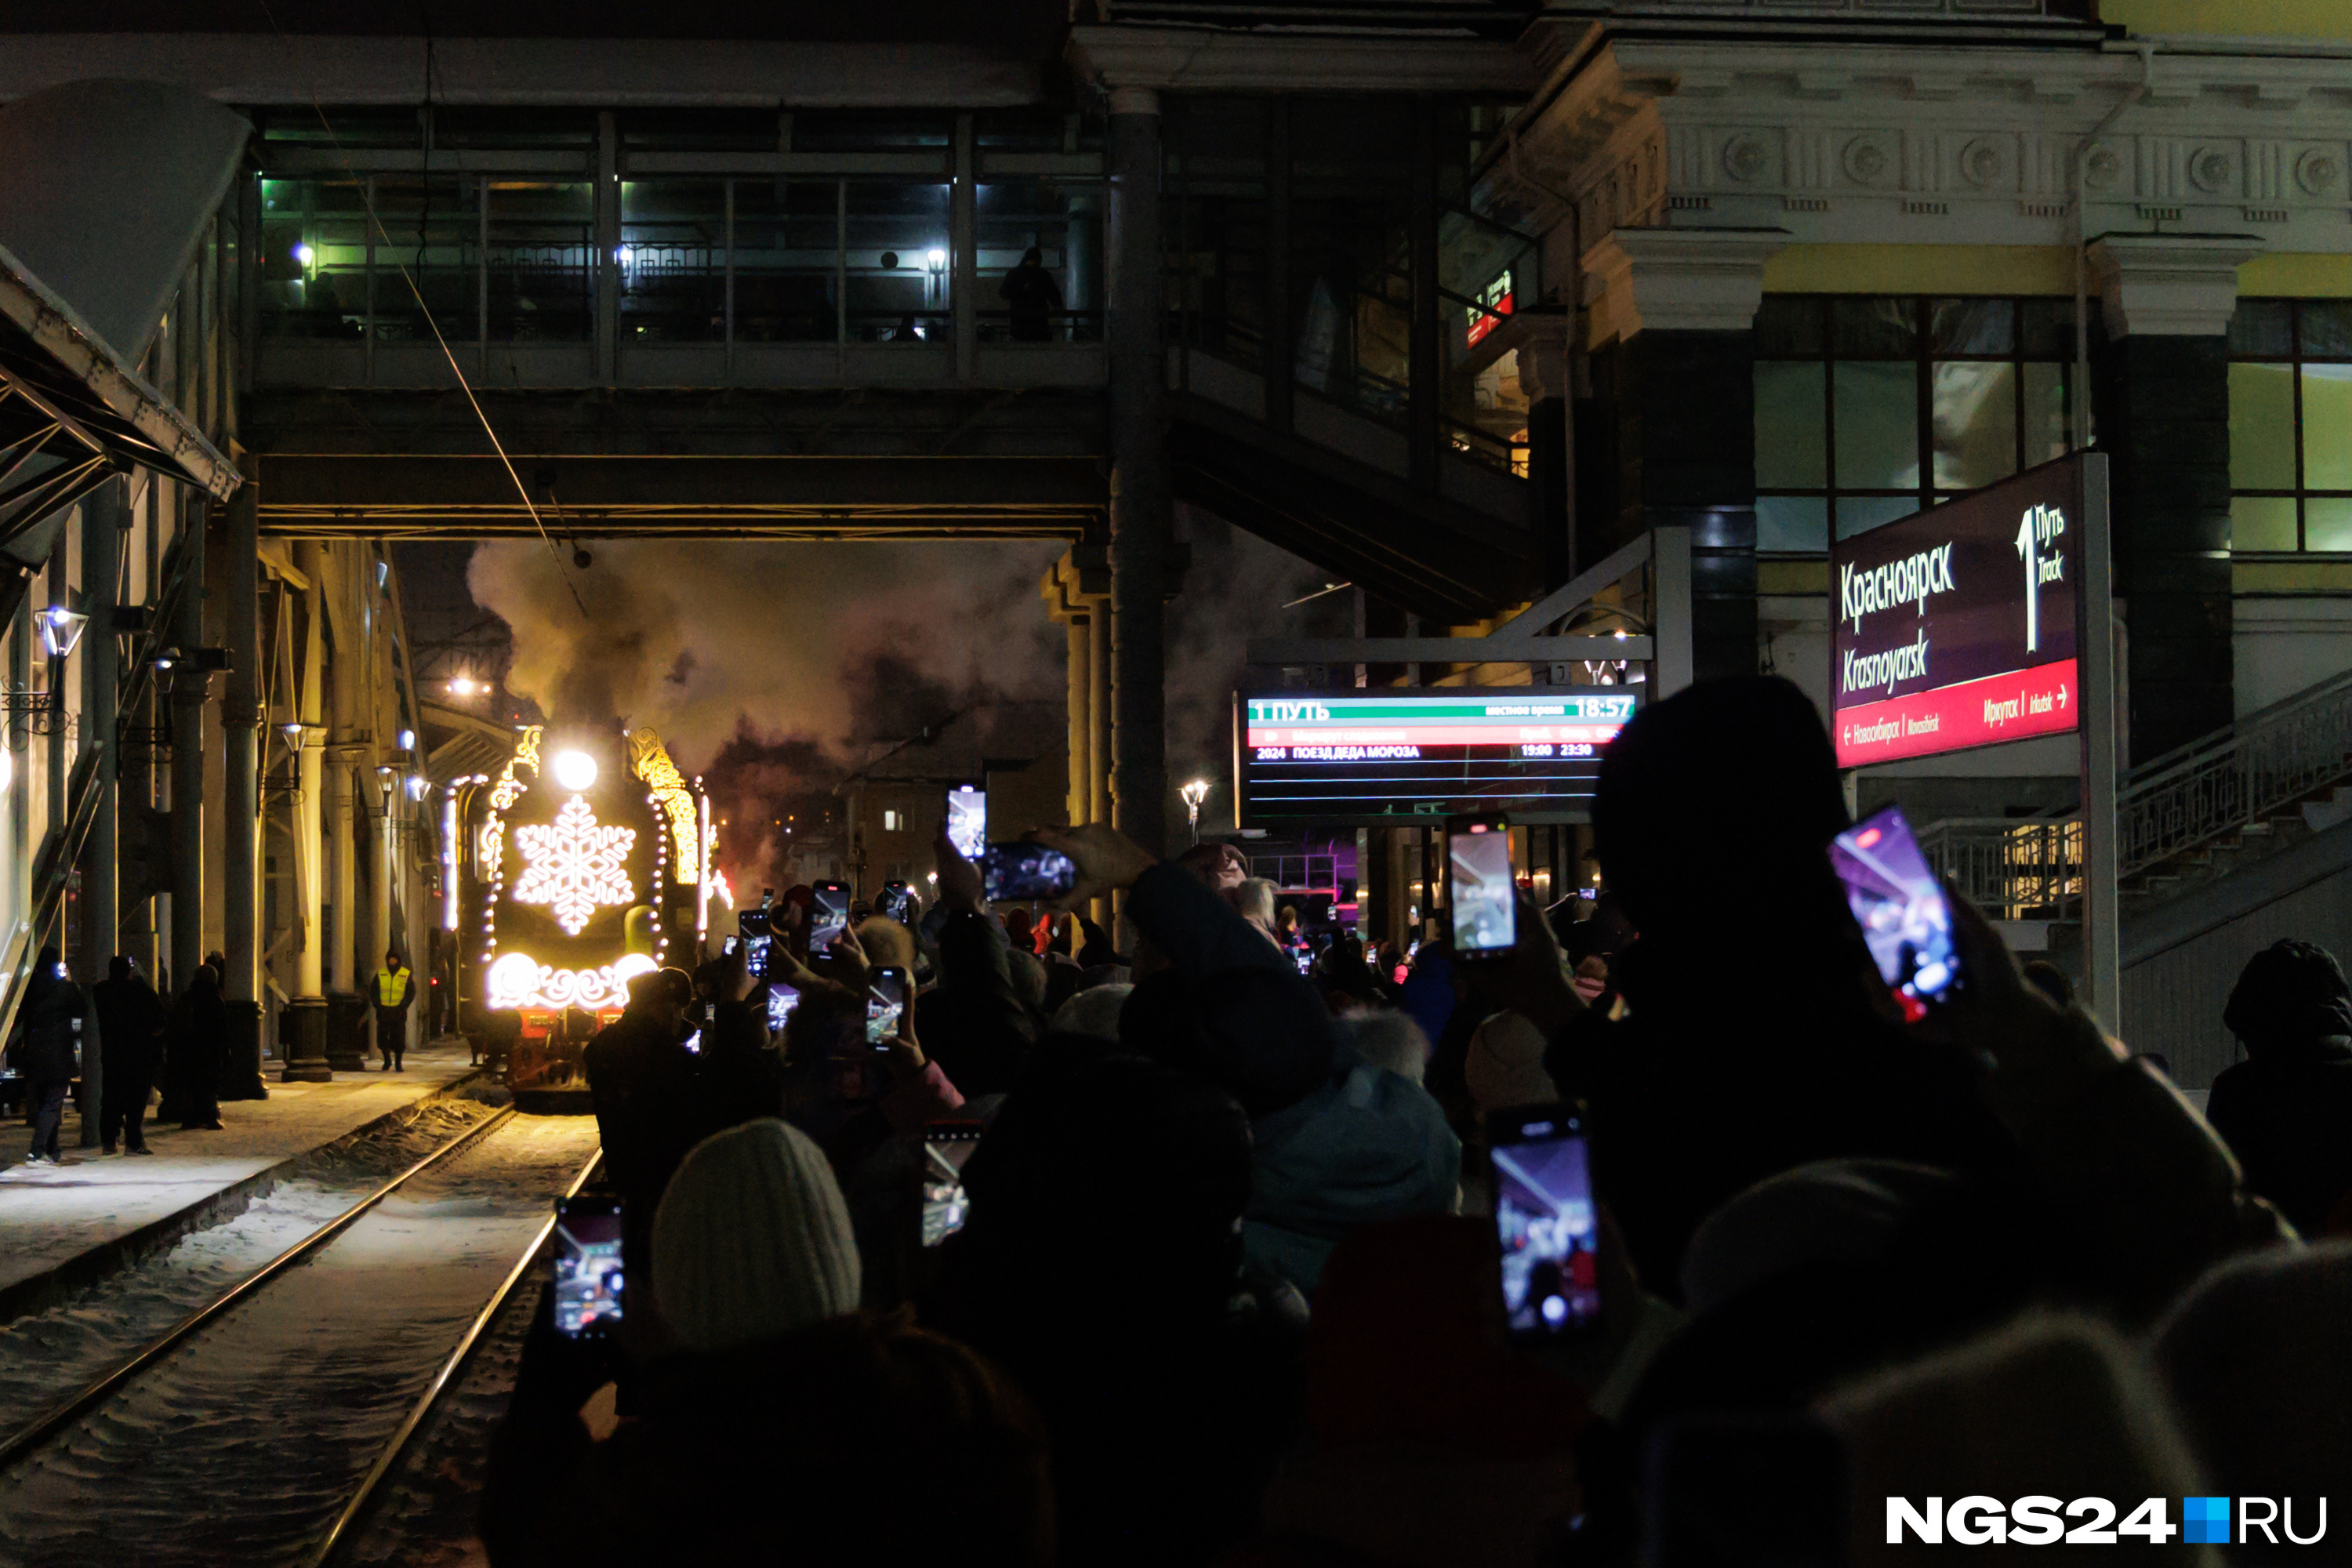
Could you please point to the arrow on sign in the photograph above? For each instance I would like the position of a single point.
(2062, 694)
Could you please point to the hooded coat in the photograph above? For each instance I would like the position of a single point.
(48, 1046)
(2286, 1111)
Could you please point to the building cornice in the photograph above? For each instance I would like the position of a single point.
(1197, 59)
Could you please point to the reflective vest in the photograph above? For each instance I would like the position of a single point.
(392, 987)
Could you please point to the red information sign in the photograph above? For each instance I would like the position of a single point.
(1956, 626)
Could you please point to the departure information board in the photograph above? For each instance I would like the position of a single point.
(1373, 757)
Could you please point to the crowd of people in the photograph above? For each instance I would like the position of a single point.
(1226, 1293)
(170, 1056)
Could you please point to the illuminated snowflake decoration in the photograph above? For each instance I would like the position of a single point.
(572, 866)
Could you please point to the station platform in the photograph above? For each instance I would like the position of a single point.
(61, 1225)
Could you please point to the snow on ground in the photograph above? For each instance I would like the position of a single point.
(46, 1355)
(242, 1447)
(49, 1215)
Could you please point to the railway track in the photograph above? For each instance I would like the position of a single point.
(227, 1382)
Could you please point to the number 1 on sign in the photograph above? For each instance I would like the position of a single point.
(2025, 551)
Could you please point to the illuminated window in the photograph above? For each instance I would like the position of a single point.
(1872, 407)
(2291, 425)
(891, 822)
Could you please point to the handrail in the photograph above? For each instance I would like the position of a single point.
(61, 845)
(2187, 798)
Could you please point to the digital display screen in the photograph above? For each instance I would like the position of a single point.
(885, 1002)
(1373, 758)
(829, 917)
(587, 1267)
(1544, 1220)
(1906, 919)
(782, 1000)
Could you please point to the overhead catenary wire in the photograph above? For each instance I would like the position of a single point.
(367, 200)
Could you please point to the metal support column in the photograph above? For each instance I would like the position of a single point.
(1281, 353)
(1141, 508)
(190, 689)
(103, 515)
(1423, 388)
(607, 218)
(2102, 906)
(963, 255)
(241, 799)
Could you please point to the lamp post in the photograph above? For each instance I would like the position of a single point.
(1194, 794)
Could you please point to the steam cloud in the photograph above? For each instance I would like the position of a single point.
(771, 667)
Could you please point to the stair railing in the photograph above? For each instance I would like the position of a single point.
(2184, 800)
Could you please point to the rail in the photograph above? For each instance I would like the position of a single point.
(2183, 800)
(388, 1457)
(32, 1437)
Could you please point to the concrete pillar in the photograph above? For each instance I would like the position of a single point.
(189, 690)
(305, 1043)
(241, 798)
(1424, 389)
(102, 516)
(1545, 359)
(1681, 304)
(1142, 509)
(347, 1014)
(2163, 406)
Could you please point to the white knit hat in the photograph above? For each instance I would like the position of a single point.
(752, 1238)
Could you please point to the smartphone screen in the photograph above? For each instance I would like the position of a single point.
(1544, 1220)
(782, 1000)
(1014, 872)
(753, 925)
(946, 1146)
(587, 1265)
(829, 917)
(896, 903)
(1904, 919)
(1480, 887)
(886, 1003)
(968, 820)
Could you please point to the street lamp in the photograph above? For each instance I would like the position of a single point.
(61, 630)
(1194, 794)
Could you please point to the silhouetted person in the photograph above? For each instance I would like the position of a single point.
(1033, 295)
(2286, 1111)
(391, 992)
(192, 1065)
(1743, 1058)
(907, 332)
(130, 1022)
(48, 1037)
(642, 1081)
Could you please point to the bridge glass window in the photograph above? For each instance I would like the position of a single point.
(1063, 220)
(672, 261)
(787, 260)
(540, 271)
(895, 244)
(1870, 407)
(2291, 425)
(314, 258)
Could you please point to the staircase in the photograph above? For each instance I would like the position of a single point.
(1336, 489)
(60, 848)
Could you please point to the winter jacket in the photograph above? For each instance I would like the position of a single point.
(2286, 1114)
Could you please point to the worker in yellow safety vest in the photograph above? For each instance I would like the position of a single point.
(394, 989)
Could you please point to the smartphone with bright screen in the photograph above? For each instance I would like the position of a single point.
(1013, 872)
(1906, 919)
(968, 820)
(946, 1146)
(829, 916)
(782, 1000)
(1486, 915)
(588, 1282)
(886, 1003)
(1545, 1222)
(753, 927)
